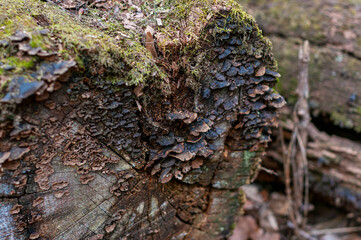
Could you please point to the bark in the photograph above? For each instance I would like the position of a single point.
(332, 27)
(334, 166)
(100, 139)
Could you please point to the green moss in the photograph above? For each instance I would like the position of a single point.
(242, 198)
(341, 120)
(126, 57)
(37, 41)
(32, 138)
(248, 156)
(18, 64)
(358, 110)
(191, 26)
(233, 226)
(79, 62)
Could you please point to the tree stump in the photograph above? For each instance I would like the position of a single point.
(112, 132)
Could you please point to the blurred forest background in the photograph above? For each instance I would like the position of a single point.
(330, 122)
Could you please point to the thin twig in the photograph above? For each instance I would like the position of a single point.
(296, 154)
(269, 171)
(288, 180)
(302, 233)
(302, 119)
(307, 191)
(336, 230)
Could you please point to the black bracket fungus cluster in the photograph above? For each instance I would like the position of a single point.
(236, 107)
(180, 134)
(41, 81)
(30, 68)
(181, 148)
(241, 85)
(110, 114)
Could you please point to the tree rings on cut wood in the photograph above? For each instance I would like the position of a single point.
(112, 138)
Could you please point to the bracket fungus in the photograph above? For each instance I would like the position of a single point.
(32, 81)
(237, 87)
(87, 106)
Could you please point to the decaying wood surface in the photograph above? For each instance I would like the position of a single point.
(295, 154)
(333, 29)
(100, 139)
(334, 165)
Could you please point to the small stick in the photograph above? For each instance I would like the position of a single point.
(307, 191)
(269, 171)
(302, 233)
(296, 155)
(95, 2)
(302, 120)
(287, 171)
(336, 230)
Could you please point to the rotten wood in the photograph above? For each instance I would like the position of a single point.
(298, 192)
(332, 28)
(109, 143)
(334, 165)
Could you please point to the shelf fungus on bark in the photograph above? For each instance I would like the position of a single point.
(239, 92)
(177, 157)
(236, 95)
(200, 113)
(40, 81)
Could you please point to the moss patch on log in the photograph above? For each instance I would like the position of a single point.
(120, 55)
(187, 28)
(126, 57)
(320, 22)
(334, 79)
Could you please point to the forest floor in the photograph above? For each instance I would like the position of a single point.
(266, 217)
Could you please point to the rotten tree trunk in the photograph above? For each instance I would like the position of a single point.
(332, 28)
(296, 153)
(334, 165)
(99, 140)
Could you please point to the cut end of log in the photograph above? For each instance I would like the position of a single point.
(111, 149)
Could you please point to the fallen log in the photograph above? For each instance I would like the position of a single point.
(332, 27)
(335, 88)
(110, 130)
(333, 163)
